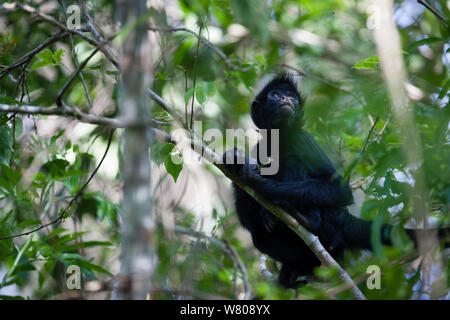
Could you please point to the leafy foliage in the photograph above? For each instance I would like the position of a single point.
(41, 170)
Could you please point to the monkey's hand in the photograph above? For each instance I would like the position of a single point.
(238, 164)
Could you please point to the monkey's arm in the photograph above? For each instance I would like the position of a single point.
(324, 191)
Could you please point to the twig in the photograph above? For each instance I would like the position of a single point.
(434, 11)
(195, 76)
(75, 197)
(75, 59)
(206, 42)
(384, 127)
(155, 97)
(238, 262)
(90, 22)
(363, 149)
(61, 92)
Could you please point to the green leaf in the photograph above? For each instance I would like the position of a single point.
(48, 58)
(16, 261)
(55, 232)
(160, 151)
(5, 144)
(188, 95)
(444, 90)
(85, 264)
(200, 94)
(29, 222)
(368, 63)
(18, 127)
(173, 168)
(57, 167)
(421, 42)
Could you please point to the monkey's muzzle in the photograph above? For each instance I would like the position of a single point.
(287, 106)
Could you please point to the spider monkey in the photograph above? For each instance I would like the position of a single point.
(306, 186)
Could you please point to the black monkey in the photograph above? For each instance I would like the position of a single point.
(306, 186)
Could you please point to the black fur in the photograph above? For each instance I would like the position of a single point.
(306, 183)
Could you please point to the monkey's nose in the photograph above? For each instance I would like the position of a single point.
(283, 98)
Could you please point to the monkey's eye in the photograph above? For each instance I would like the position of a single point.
(275, 94)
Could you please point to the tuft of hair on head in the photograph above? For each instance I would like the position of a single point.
(272, 79)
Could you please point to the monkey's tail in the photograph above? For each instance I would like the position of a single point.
(357, 233)
(418, 235)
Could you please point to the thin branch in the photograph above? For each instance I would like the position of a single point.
(434, 11)
(171, 111)
(219, 52)
(195, 76)
(378, 136)
(76, 113)
(60, 217)
(75, 58)
(363, 149)
(238, 262)
(61, 92)
(90, 22)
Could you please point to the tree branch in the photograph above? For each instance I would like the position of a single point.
(61, 92)
(75, 113)
(434, 11)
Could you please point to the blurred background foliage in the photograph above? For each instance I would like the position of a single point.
(45, 160)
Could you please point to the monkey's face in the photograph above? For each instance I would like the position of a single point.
(277, 107)
(282, 100)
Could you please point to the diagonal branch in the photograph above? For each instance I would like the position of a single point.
(77, 72)
(434, 11)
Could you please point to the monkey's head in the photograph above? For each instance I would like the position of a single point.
(278, 105)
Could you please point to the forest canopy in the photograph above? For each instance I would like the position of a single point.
(94, 185)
